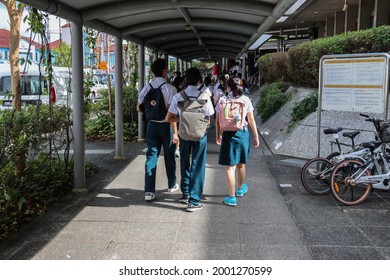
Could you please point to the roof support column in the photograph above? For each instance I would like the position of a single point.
(176, 64)
(141, 82)
(330, 26)
(243, 67)
(119, 149)
(78, 108)
(181, 67)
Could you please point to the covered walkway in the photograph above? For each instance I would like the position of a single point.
(270, 222)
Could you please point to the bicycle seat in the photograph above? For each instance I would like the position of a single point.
(372, 145)
(351, 135)
(332, 130)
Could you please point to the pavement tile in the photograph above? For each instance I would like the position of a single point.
(379, 235)
(345, 253)
(138, 251)
(146, 232)
(369, 217)
(269, 234)
(334, 236)
(275, 252)
(207, 233)
(189, 251)
(321, 216)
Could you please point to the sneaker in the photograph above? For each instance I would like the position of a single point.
(183, 198)
(193, 207)
(149, 196)
(177, 154)
(230, 200)
(174, 188)
(241, 191)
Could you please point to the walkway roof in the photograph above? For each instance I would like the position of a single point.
(187, 29)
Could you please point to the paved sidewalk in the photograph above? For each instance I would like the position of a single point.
(113, 221)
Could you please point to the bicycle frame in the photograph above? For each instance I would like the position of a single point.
(380, 181)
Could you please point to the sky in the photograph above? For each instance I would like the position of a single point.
(53, 24)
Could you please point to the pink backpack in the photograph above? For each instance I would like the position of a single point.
(231, 114)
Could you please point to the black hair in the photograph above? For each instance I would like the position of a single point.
(193, 76)
(207, 81)
(177, 81)
(234, 85)
(158, 67)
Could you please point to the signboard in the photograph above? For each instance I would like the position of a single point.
(354, 84)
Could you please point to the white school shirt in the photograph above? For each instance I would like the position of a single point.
(167, 90)
(191, 91)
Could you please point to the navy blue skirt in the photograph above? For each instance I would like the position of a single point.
(234, 147)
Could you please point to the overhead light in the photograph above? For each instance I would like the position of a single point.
(188, 27)
(345, 8)
(295, 7)
(282, 19)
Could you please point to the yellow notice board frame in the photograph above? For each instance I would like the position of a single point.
(353, 83)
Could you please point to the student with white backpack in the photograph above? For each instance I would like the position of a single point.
(232, 134)
(193, 107)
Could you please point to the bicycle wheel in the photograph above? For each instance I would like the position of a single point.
(344, 188)
(332, 157)
(315, 176)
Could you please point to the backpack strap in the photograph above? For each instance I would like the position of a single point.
(184, 95)
(150, 84)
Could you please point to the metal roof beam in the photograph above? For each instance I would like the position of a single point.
(194, 42)
(175, 36)
(238, 26)
(120, 9)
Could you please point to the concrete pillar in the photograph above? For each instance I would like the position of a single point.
(321, 29)
(329, 26)
(78, 108)
(382, 13)
(181, 66)
(339, 22)
(119, 148)
(141, 82)
(177, 64)
(155, 55)
(243, 68)
(365, 14)
(351, 16)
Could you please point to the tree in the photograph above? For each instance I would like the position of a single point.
(15, 13)
(63, 55)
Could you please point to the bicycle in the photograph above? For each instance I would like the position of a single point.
(352, 180)
(315, 174)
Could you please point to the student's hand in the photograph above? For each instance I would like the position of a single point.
(256, 142)
(219, 140)
(175, 138)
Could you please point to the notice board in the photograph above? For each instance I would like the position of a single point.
(353, 83)
(356, 83)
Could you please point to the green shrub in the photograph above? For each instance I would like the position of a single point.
(100, 126)
(304, 107)
(32, 137)
(273, 97)
(273, 67)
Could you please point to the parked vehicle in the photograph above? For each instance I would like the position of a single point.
(34, 86)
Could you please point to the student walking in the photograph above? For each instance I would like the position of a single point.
(193, 137)
(153, 100)
(233, 136)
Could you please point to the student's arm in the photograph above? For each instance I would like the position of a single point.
(252, 123)
(218, 133)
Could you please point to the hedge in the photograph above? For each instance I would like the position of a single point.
(302, 61)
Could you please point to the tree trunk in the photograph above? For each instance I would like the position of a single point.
(15, 16)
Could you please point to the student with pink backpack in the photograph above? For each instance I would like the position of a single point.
(232, 134)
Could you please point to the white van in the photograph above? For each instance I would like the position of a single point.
(34, 87)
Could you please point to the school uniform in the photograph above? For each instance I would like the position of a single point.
(192, 153)
(235, 145)
(159, 133)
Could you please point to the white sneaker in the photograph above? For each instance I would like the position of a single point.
(177, 154)
(149, 196)
(174, 188)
